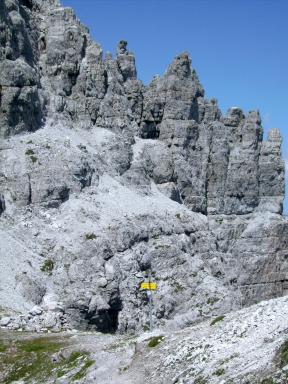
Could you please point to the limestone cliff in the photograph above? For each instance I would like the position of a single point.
(103, 178)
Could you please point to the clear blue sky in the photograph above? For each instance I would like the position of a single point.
(238, 47)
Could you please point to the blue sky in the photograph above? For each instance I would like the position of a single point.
(238, 47)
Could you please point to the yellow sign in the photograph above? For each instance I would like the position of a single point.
(150, 286)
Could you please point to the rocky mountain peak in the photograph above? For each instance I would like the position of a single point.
(126, 61)
(275, 135)
(181, 66)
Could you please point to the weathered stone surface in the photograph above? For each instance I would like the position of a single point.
(4, 321)
(272, 173)
(21, 98)
(122, 178)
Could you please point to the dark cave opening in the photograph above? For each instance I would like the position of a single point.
(105, 320)
(2, 204)
(149, 130)
(27, 3)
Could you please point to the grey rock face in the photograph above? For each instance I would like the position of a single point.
(21, 99)
(102, 178)
(226, 149)
(272, 176)
(5, 321)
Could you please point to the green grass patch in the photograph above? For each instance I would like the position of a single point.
(217, 319)
(177, 286)
(154, 341)
(38, 345)
(212, 300)
(3, 347)
(29, 152)
(283, 354)
(33, 159)
(268, 380)
(82, 373)
(90, 236)
(219, 372)
(76, 360)
(200, 380)
(31, 360)
(47, 266)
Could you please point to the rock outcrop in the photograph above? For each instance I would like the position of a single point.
(245, 347)
(103, 178)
